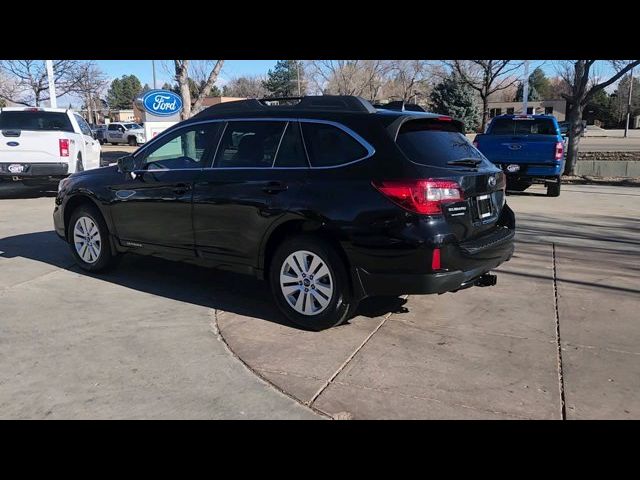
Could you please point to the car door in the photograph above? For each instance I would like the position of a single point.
(91, 147)
(113, 133)
(152, 205)
(259, 169)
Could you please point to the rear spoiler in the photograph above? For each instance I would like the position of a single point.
(395, 127)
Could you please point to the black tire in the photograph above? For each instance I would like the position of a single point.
(79, 164)
(105, 258)
(553, 189)
(114, 143)
(341, 304)
(132, 142)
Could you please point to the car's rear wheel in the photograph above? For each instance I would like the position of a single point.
(133, 142)
(309, 283)
(79, 164)
(88, 237)
(553, 188)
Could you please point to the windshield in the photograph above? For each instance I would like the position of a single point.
(129, 126)
(433, 144)
(35, 121)
(523, 126)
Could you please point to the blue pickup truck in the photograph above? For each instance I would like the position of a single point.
(528, 148)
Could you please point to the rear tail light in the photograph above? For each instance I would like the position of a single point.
(64, 147)
(425, 197)
(559, 150)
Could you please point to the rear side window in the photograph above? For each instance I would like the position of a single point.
(524, 126)
(249, 144)
(35, 121)
(435, 143)
(291, 152)
(329, 146)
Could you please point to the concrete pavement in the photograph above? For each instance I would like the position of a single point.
(157, 339)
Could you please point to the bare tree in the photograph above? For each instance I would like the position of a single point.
(30, 81)
(245, 87)
(181, 68)
(347, 77)
(90, 85)
(583, 83)
(486, 77)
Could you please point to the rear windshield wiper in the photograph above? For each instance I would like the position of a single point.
(465, 162)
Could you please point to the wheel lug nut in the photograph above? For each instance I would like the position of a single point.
(304, 275)
(313, 287)
(306, 289)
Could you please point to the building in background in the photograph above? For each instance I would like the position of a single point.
(557, 108)
(123, 116)
(210, 101)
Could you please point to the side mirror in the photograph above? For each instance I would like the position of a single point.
(126, 164)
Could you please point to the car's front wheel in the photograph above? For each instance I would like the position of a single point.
(309, 283)
(88, 238)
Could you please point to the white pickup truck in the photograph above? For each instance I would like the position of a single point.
(38, 145)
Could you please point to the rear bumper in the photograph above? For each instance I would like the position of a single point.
(34, 170)
(374, 284)
(530, 171)
(483, 258)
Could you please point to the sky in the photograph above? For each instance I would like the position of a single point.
(144, 71)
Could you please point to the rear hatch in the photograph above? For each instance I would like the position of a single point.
(444, 155)
(34, 136)
(520, 140)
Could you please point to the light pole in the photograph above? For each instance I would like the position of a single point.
(153, 67)
(525, 88)
(53, 101)
(626, 127)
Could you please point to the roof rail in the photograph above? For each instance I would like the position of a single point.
(401, 105)
(342, 103)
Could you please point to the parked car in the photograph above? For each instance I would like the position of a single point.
(124, 132)
(44, 144)
(529, 148)
(330, 200)
(99, 133)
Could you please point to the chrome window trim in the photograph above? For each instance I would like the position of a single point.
(367, 146)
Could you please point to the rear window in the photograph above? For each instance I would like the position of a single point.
(435, 143)
(36, 121)
(524, 126)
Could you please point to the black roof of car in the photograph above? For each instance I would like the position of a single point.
(394, 114)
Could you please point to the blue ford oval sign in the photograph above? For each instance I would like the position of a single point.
(162, 103)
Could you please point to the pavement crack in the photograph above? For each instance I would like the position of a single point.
(326, 384)
(563, 411)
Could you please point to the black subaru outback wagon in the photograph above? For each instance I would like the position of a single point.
(329, 199)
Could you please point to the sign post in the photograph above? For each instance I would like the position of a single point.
(525, 88)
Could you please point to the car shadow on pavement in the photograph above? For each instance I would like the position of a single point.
(180, 281)
(16, 191)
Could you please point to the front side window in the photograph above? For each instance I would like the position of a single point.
(329, 146)
(185, 148)
(249, 144)
(113, 127)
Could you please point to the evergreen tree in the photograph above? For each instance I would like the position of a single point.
(282, 81)
(452, 97)
(539, 87)
(123, 91)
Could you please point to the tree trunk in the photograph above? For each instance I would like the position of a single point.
(182, 77)
(206, 89)
(575, 131)
(485, 113)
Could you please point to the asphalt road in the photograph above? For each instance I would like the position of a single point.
(157, 339)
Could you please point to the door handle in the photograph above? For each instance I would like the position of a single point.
(181, 188)
(275, 187)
